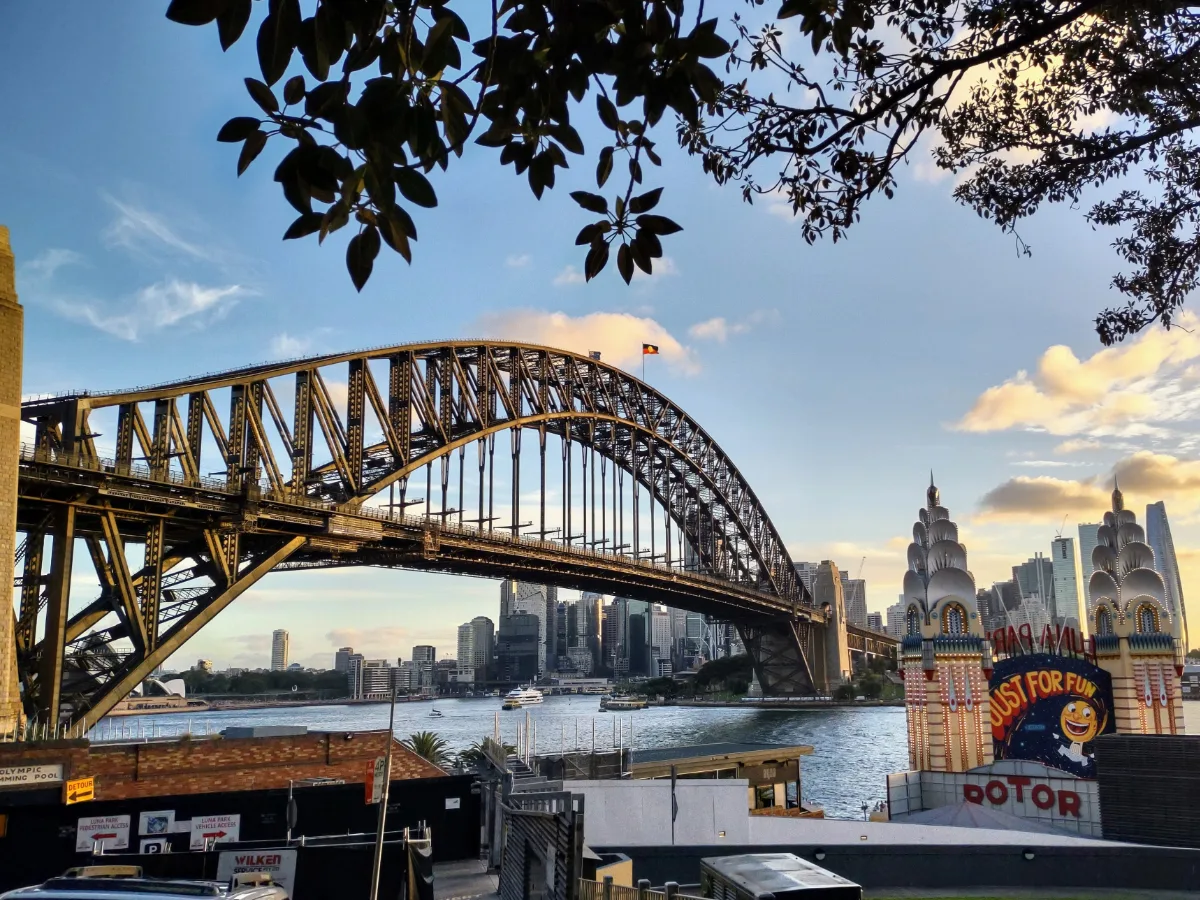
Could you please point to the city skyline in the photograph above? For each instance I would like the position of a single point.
(166, 249)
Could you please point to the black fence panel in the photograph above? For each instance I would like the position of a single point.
(40, 839)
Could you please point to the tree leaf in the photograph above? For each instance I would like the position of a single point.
(394, 236)
(360, 255)
(645, 202)
(596, 260)
(306, 224)
(591, 202)
(253, 146)
(604, 166)
(238, 129)
(262, 95)
(657, 224)
(625, 263)
(608, 113)
(195, 12)
(415, 187)
(568, 137)
(637, 249)
(293, 91)
(277, 39)
(232, 22)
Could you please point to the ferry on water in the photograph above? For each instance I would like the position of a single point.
(523, 696)
(622, 703)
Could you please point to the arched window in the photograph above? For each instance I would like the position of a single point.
(1147, 620)
(913, 621)
(1103, 621)
(954, 620)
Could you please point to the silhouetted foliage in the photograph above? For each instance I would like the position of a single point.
(1030, 101)
(429, 746)
(330, 683)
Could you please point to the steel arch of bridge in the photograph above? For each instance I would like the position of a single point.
(278, 505)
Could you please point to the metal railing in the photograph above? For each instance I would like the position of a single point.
(606, 890)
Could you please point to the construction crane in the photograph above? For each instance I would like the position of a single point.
(860, 568)
(1062, 526)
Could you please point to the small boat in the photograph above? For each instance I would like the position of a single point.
(435, 714)
(523, 696)
(617, 704)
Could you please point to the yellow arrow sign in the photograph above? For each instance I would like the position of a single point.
(80, 789)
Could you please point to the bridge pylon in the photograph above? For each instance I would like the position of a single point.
(11, 346)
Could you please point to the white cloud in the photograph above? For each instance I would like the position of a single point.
(1077, 445)
(1149, 387)
(716, 329)
(520, 261)
(287, 346)
(618, 336)
(662, 267)
(157, 306)
(569, 275)
(45, 264)
(1045, 463)
(719, 329)
(137, 229)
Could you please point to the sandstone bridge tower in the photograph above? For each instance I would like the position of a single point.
(11, 337)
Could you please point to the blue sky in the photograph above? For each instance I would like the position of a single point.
(835, 376)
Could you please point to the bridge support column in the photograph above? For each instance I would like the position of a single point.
(779, 652)
(50, 666)
(11, 348)
(828, 594)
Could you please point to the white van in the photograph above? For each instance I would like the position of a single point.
(128, 883)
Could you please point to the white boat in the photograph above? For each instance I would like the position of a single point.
(435, 714)
(522, 696)
(621, 703)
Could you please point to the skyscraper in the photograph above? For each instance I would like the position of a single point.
(855, 592)
(660, 632)
(341, 659)
(592, 615)
(875, 620)
(1158, 536)
(1035, 580)
(895, 618)
(1087, 543)
(520, 597)
(279, 650)
(1066, 581)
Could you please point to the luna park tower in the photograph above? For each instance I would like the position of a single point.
(944, 650)
(1137, 640)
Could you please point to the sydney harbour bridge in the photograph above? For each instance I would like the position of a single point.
(419, 456)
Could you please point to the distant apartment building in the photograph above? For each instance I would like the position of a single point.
(476, 644)
(1067, 591)
(895, 618)
(424, 658)
(1158, 536)
(807, 573)
(279, 650)
(354, 665)
(660, 632)
(875, 620)
(341, 659)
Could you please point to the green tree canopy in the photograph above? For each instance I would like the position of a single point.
(429, 746)
(1029, 101)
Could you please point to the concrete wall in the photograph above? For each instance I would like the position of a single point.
(639, 812)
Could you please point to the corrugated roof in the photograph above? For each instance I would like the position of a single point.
(699, 751)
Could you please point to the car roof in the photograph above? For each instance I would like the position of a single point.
(139, 889)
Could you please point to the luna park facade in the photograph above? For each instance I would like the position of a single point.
(1009, 720)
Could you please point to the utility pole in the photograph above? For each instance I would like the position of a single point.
(383, 800)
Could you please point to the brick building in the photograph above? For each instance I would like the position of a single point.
(210, 765)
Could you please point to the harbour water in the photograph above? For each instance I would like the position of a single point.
(853, 748)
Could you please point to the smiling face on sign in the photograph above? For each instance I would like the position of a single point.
(1079, 721)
